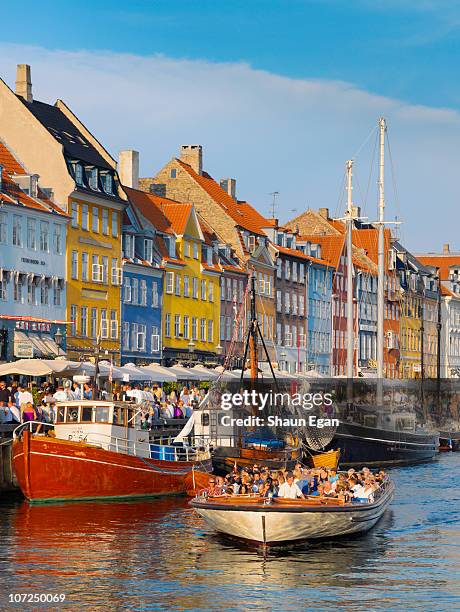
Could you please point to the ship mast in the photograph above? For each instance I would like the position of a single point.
(253, 331)
(381, 264)
(349, 227)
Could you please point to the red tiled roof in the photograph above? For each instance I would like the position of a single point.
(300, 254)
(331, 246)
(443, 262)
(368, 240)
(235, 269)
(242, 213)
(13, 194)
(150, 206)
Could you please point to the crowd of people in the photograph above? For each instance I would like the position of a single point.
(300, 483)
(19, 404)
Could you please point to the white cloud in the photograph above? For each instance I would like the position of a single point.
(270, 132)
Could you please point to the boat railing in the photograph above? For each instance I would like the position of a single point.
(17, 431)
(239, 442)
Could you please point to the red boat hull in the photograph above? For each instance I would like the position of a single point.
(49, 469)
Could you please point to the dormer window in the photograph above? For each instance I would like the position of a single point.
(93, 179)
(78, 174)
(172, 246)
(148, 250)
(108, 183)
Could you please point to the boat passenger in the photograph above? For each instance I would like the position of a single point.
(289, 489)
(28, 412)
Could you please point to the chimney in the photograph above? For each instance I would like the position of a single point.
(356, 212)
(24, 82)
(229, 185)
(128, 168)
(324, 212)
(193, 156)
(446, 248)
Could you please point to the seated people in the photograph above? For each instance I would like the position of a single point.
(289, 489)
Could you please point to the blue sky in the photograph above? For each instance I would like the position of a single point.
(279, 92)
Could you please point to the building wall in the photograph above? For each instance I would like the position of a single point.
(99, 293)
(319, 340)
(189, 310)
(141, 314)
(232, 293)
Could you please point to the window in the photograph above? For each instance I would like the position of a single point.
(113, 325)
(114, 224)
(78, 174)
(195, 250)
(210, 330)
(222, 288)
(115, 272)
(148, 250)
(155, 340)
(229, 290)
(135, 291)
(3, 290)
(170, 282)
(129, 246)
(3, 228)
(105, 270)
(57, 239)
(176, 326)
(31, 293)
(186, 248)
(73, 318)
(74, 265)
(96, 271)
(17, 231)
(44, 236)
(127, 290)
(93, 328)
(95, 215)
(186, 327)
(279, 273)
(168, 325)
(93, 179)
(17, 289)
(105, 221)
(104, 329)
(31, 234)
(57, 295)
(194, 328)
(203, 330)
(203, 289)
(141, 337)
(84, 321)
(177, 284)
(108, 183)
(195, 287)
(222, 327)
(211, 291)
(84, 217)
(228, 328)
(74, 213)
(173, 173)
(186, 286)
(155, 296)
(125, 336)
(143, 287)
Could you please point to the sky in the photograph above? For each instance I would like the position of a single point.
(280, 93)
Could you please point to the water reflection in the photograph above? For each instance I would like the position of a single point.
(160, 554)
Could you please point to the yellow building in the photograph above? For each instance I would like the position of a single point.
(79, 175)
(411, 335)
(191, 298)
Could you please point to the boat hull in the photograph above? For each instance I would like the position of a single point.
(225, 458)
(271, 525)
(360, 445)
(50, 469)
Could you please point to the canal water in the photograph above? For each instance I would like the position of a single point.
(158, 555)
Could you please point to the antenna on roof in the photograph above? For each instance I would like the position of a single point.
(275, 194)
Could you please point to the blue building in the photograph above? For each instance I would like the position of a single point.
(32, 266)
(141, 298)
(319, 289)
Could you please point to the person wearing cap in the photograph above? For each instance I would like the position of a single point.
(289, 489)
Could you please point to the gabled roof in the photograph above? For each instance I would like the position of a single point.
(74, 142)
(299, 254)
(442, 262)
(13, 194)
(331, 247)
(151, 207)
(178, 215)
(242, 213)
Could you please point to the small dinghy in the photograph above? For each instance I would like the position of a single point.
(280, 521)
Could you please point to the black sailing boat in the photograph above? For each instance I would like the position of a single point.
(379, 436)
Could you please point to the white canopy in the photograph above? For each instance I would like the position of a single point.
(184, 373)
(158, 373)
(205, 373)
(40, 367)
(135, 373)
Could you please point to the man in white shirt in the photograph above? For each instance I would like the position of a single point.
(24, 396)
(290, 489)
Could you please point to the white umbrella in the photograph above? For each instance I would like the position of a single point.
(226, 375)
(135, 373)
(39, 367)
(313, 374)
(205, 373)
(158, 373)
(184, 373)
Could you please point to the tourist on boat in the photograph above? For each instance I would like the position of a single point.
(5, 394)
(185, 396)
(9, 413)
(28, 412)
(289, 489)
(23, 396)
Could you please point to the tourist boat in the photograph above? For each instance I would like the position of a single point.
(97, 450)
(279, 521)
(449, 441)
